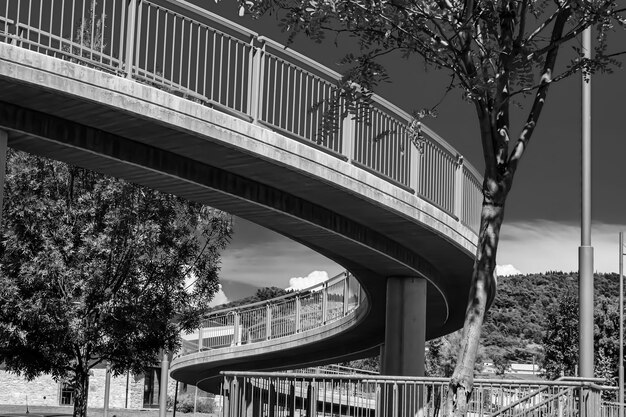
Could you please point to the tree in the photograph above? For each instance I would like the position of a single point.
(501, 54)
(93, 269)
(561, 339)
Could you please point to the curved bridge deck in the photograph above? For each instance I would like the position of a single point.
(167, 95)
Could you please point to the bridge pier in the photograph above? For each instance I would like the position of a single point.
(405, 327)
(403, 353)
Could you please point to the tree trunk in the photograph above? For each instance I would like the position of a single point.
(81, 392)
(492, 214)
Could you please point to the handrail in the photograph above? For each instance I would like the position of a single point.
(289, 295)
(276, 318)
(214, 17)
(183, 52)
(564, 380)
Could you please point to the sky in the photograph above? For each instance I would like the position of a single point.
(541, 231)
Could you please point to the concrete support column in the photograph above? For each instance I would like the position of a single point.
(165, 367)
(405, 327)
(4, 139)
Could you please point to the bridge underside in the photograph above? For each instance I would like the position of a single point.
(118, 127)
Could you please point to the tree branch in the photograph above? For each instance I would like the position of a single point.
(540, 97)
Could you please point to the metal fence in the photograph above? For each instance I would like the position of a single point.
(321, 395)
(279, 317)
(188, 51)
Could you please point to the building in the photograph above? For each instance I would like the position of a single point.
(126, 391)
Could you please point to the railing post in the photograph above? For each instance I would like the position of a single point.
(255, 79)
(236, 329)
(458, 188)
(346, 293)
(226, 396)
(234, 398)
(414, 163)
(348, 136)
(311, 399)
(268, 323)
(200, 338)
(131, 24)
(298, 311)
(324, 303)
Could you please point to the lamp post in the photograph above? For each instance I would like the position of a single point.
(621, 324)
(585, 251)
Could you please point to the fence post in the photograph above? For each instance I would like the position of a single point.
(255, 79)
(236, 329)
(298, 311)
(226, 396)
(346, 294)
(324, 302)
(268, 323)
(414, 164)
(234, 398)
(200, 338)
(348, 136)
(458, 188)
(130, 36)
(311, 399)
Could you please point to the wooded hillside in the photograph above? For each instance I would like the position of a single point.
(516, 323)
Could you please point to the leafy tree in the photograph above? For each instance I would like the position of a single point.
(441, 355)
(371, 364)
(261, 294)
(501, 54)
(561, 339)
(93, 269)
(267, 293)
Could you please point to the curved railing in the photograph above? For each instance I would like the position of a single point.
(279, 317)
(188, 51)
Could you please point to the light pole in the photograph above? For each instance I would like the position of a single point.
(621, 324)
(585, 251)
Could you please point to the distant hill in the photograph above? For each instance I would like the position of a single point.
(515, 325)
(236, 290)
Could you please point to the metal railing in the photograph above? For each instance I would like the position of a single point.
(188, 51)
(283, 394)
(279, 317)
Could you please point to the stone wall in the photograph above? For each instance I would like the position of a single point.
(126, 390)
(17, 390)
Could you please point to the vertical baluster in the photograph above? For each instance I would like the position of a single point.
(268, 322)
(324, 303)
(130, 37)
(237, 328)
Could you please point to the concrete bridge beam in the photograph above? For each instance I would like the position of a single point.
(405, 327)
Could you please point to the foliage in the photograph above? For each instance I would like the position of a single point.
(441, 355)
(516, 324)
(262, 294)
(185, 403)
(93, 269)
(368, 364)
(561, 339)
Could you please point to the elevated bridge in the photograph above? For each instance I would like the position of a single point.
(166, 94)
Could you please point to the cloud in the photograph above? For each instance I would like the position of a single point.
(300, 283)
(219, 298)
(541, 245)
(506, 270)
(263, 258)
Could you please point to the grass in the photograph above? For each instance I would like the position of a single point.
(97, 412)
